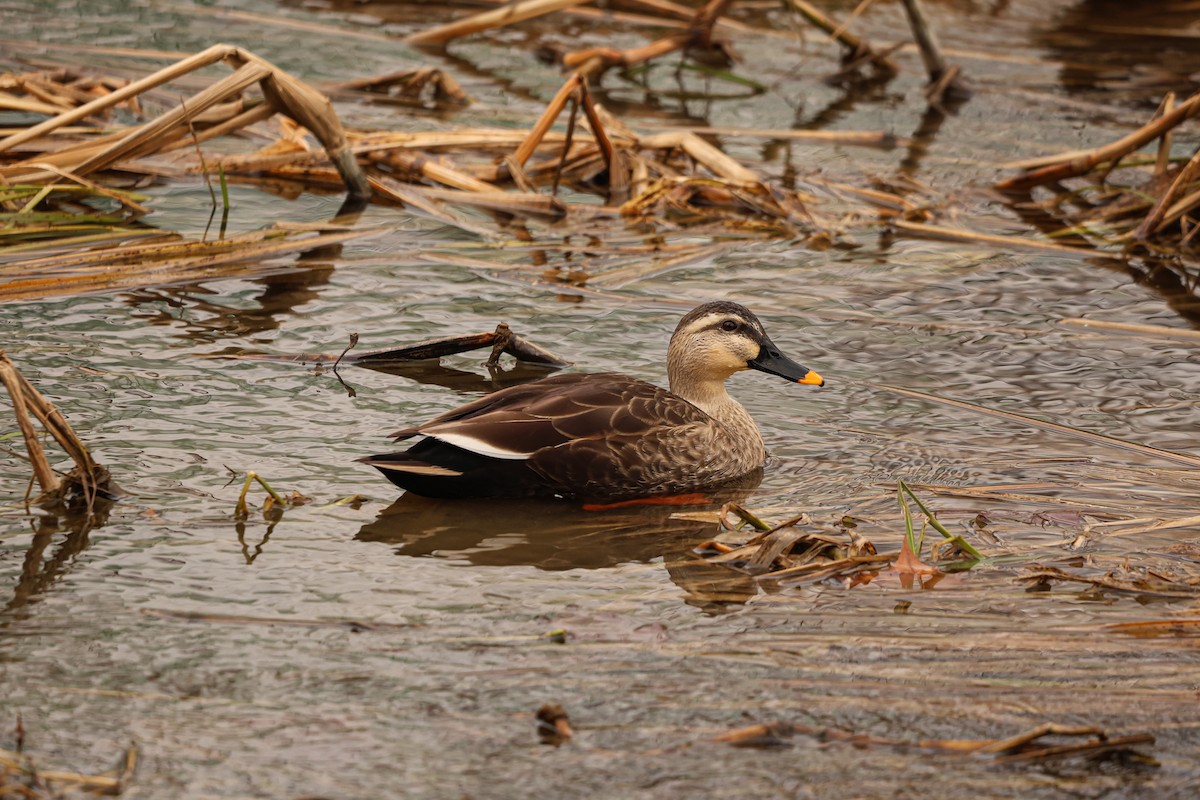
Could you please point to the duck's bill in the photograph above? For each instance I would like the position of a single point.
(773, 362)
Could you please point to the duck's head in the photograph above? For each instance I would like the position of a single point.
(717, 339)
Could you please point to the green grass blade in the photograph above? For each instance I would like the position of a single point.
(224, 188)
(957, 540)
(909, 534)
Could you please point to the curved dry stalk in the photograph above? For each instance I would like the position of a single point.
(858, 49)
(509, 14)
(594, 62)
(47, 480)
(705, 153)
(542, 126)
(943, 78)
(575, 87)
(1075, 164)
(91, 477)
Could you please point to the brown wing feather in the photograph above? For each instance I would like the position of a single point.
(498, 401)
(563, 410)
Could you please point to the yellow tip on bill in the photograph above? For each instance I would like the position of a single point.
(812, 379)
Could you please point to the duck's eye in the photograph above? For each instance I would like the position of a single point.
(729, 325)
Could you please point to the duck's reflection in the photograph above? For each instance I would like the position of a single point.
(545, 534)
(552, 535)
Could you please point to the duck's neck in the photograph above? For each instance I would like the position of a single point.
(710, 396)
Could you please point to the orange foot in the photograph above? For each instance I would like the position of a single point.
(694, 499)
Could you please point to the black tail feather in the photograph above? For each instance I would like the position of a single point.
(467, 474)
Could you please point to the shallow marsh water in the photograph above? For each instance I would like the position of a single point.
(400, 649)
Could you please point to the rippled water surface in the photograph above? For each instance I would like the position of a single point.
(400, 648)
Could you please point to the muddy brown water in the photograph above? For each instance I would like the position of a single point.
(400, 648)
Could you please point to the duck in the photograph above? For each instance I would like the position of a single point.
(606, 437)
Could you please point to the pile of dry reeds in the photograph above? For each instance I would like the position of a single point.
(67, 177)
(61, 172)
(793, 553)
(87, 480)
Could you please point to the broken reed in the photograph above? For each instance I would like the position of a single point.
(1033, 746)
(273, 504)
(1167, 201)
(21, 776)
(86, 480)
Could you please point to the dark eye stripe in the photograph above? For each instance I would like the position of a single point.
(741, 326)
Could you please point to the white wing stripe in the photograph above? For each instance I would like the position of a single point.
(477, 445)
(413, 468)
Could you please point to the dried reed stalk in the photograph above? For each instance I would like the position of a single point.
(882, 139)
(1163, 159)
(703, 152)
(509, 14)
(555, 107)
(593, 62)
(959, 235)
(89, 475)
(435, 171)
(202, 59)
(614, 160)
(858, 49)
(927, 44)
(20, 777)
(514, 203)
(47, 481)
(488, 138)
(1070, 165)
(1133, 327)
(596, 60)
(575, 88)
